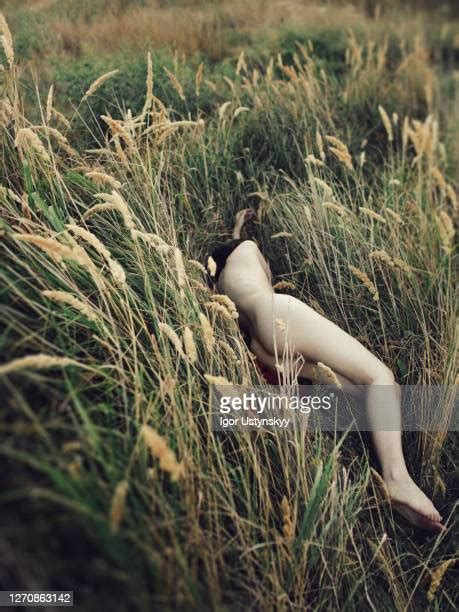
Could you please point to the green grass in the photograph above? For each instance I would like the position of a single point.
(214, 539)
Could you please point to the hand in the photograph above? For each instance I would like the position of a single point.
(244, 215)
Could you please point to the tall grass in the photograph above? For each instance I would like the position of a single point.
(114, 484)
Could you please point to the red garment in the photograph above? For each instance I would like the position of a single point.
(269, 375)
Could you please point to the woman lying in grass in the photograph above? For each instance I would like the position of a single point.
(281, 324)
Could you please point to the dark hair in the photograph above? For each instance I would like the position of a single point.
(220, 255)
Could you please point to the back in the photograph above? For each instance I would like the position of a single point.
(246, 277)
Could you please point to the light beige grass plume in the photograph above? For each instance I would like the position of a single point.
(161, 451)
(6, 40)
(207, 331)
(118, 505)
(36, 362)
(437, 576)
(116, 269)
(190, 345)
(27, 139)
(372, 214)
(328, 375)
(386, 122)
(366, 282)
(101, 178)
(63, 297)
(98, 83)
(173, 337)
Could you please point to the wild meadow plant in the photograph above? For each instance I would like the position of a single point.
(114, 484)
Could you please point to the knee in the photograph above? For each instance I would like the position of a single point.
(382, 375)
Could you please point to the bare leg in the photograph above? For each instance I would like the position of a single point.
(242, 217)
(285, 321)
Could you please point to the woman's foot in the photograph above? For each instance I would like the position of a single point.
(408, 499)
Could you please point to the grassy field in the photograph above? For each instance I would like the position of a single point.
(340, 127)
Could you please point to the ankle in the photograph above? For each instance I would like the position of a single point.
(395, 473)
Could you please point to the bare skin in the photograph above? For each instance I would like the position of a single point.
(280, 324)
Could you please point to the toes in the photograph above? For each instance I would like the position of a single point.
(419, 519)
(434, 526)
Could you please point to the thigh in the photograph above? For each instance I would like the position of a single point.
(292, 326)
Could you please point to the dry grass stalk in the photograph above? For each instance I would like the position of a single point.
(27, 139)
(439, 179)
(160, 450)
(100, 178)
(452, 197)
(179, 267)
(328, 374)
(120, 152)
(118, 505)
(313, 160)
(227, 302)
(372, 214)
(219, 309)
(98, 83)
(175, 84)
(366, 282)
(229, 351)
(382, 256)
(340, 151)
(401, 265)
(280, 324)
(207, 331)
(320, 145)
(222, 109)
(116, 199)
(198, 265)
(382, 487)
(239, 110)
(198, 78)
(115, 268)
(282, 235)
(281, 285)
(336, 208)
(55, 249)
(149, 96)
(63, 297)
(167, 387)
(446, 230)
(173, 337)
(49, 104)
(216, 380)
(118, 130)
(36, 362)
(395, 216)
(190, 346)
(99, 208)
(387, 123)
(211, 266)
(288, 528)
(437, 576)
(241, 65)
(323, 185)
(61, 118)
(60, 138)
(7, 41)
(153, 240)
(5, 192)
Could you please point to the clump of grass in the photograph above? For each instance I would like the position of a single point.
(108, 409)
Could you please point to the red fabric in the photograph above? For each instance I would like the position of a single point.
(269, 375)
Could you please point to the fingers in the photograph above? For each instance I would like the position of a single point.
(245, 215)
